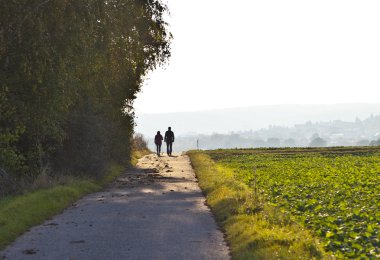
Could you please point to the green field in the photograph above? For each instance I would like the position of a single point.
(335, 192)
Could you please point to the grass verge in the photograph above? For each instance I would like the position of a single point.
(253, 229)
(137, 154)
(19, 213)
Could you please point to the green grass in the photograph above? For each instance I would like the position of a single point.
(114, 171)
(254, 229)
(331, 191)
(19, 213)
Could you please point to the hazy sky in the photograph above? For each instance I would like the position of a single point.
(247, 52)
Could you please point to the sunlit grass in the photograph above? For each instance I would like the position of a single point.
(254, 230)
(329, 191)
(138, 154)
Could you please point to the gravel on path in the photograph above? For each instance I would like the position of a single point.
(155, 211)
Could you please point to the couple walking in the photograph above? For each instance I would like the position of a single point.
(169, 140)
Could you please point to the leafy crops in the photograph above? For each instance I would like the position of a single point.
(335, 192)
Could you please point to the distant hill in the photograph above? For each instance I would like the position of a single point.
(224, 121)
(331, 133)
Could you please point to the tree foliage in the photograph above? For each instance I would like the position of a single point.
(70, 70)
(318, 142)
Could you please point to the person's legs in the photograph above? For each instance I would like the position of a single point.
(167, 148)
(170, 148)
(159, 149)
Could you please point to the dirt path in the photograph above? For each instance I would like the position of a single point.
(156, 211)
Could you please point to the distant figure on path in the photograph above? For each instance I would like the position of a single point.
(169, 139)
(158, 141)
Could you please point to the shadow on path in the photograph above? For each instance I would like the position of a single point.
(153, 212)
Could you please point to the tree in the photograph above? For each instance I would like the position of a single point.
(290, 142)
(375, 142)
(363, 142)
(68, 66)
(318, 142)
(273, 142)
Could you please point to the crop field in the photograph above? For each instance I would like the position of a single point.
(335, 192)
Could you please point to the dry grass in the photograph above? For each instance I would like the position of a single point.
(44, 181)
(137, 154)
(139, 148)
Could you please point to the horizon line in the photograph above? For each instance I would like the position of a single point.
(259, 105)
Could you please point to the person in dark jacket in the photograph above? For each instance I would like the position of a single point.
(169, 139)
(158, 141)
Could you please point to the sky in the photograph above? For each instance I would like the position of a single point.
(248, 53)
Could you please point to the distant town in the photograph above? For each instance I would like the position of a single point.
(316, 134)
(268, 126)
(334, 133)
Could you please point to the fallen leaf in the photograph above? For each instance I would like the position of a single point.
(51, 224)
(77, 242)
(30, 251)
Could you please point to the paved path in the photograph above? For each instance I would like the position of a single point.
(156, 211)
